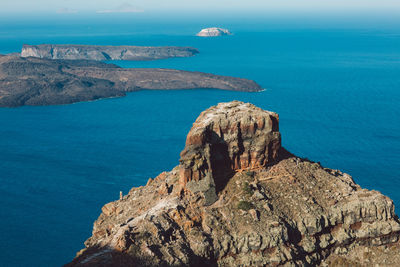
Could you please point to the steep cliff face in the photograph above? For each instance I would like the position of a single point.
(96, 52)
(238, 199)
(225, 139)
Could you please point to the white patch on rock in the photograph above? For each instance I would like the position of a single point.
(162, 205)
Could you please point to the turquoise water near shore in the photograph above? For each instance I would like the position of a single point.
(337, 92)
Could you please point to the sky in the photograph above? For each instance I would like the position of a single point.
(136, 6)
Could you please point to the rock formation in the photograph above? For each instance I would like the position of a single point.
(238, 198)
(35, 81)
(97, 52)
(221, 143)
(213, 32)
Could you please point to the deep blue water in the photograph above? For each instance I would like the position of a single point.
(337, 91)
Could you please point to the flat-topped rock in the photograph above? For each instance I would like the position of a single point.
(98, 52)
(213, 32)
(224, 139)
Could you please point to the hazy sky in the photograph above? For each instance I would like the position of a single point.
(73, 6)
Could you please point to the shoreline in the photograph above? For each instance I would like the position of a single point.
(36, 81)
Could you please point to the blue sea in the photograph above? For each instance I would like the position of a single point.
(336, 87)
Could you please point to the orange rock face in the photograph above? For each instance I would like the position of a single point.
(226, 138)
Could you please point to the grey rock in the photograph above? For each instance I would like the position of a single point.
(97, 52)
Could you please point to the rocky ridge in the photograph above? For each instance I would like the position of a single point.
(97, 52)
(238, 198)
(213, 32)
(36, 81)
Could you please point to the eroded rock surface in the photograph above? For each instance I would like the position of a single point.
(225, 139)
(98, 52)
(271, 207)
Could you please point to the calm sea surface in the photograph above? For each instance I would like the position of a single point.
(337, 92)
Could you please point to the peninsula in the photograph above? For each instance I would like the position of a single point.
(37, 81)
(238, 198)
(97, 52)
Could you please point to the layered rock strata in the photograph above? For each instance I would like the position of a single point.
(221, 143)
(270, 208)
(97, 52)
(35, 81)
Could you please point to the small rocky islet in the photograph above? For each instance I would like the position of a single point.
(238, 198)
(213, 32)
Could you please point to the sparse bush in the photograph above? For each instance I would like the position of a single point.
(250, 173)
(247, 189)
(245, 205)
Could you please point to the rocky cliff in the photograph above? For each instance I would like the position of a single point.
(213, 32)
(238, 198)
(35, 81)
(96, 52)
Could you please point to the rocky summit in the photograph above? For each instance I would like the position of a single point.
(221, 143)
(238, 198)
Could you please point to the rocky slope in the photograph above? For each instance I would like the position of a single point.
(96, 52)
(35, 81)
(213, 32)
(237, 198)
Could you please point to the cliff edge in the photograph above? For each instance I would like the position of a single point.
(98, 52)
(238, 198)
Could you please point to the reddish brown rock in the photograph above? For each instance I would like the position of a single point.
(224, 139)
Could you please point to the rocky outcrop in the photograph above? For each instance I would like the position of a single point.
(213, 32)
(97, 52)
(226, 139)
(268, 208)
(35, 81)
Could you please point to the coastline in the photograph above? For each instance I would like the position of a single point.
(36, 81)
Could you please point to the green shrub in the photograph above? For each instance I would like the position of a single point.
(247, 188)
(250, 173)
(245, 205)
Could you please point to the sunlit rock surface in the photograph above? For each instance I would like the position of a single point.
(98, 52)
(238, 198)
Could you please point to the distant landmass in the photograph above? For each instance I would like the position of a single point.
(97, 52)
(123, 8)
(213, 32)
(38, 81)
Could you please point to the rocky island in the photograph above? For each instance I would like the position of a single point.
(97, 52)
(37, 81)
(213, 32)
(238, 198)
